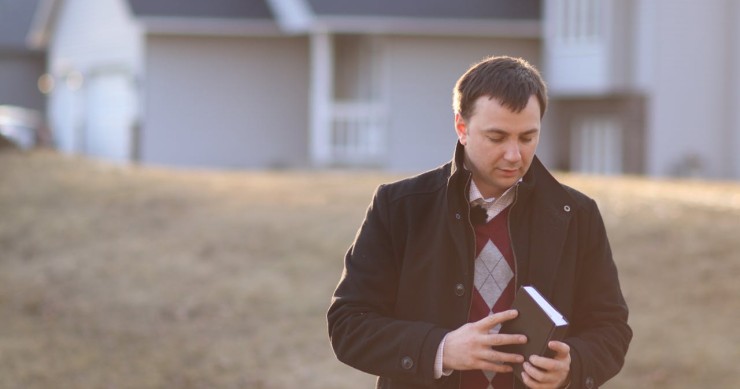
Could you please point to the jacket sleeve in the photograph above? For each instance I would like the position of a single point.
(600, 334)
(363, 331)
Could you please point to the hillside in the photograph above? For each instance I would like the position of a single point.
(133, 277)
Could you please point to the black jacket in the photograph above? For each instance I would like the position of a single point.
(408, 276)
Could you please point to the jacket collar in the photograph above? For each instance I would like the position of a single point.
(537, 175)
(458, 182)
(458, 160)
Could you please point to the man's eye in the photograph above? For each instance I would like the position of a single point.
(495, 140)
(527, 140)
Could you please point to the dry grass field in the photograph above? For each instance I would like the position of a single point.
(131, 277)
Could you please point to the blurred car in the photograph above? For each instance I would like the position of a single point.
(22, 127)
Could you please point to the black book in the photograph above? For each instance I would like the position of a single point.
(538, 320)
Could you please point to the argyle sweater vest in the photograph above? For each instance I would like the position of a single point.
(493, 291)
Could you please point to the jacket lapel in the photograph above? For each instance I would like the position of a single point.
(552, 210)
(548, 239)
(458, 209)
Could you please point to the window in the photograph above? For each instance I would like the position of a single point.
(577, 21)
(596, 145)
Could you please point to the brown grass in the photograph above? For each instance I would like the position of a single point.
(129, 277)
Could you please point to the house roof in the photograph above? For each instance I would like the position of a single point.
(471, 17)
(226, 9)
(520, 18)
(260, 9)
(502, 18)
(439, 9)
(16, 17)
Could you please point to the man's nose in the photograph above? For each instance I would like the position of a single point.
(512, 153)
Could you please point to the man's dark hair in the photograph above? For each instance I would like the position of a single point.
(509, 80)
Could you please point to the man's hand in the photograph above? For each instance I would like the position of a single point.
(548, 373)
(470, 347)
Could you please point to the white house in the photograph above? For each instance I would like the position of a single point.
(195, 84)
(283, 83)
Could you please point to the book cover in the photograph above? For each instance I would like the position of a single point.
(538, 320)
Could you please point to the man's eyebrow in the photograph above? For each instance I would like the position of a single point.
(502, 132)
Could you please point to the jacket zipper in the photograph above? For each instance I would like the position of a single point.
(471, 277)
(511, 239)
(471, 261)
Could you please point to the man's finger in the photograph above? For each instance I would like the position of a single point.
(494, 366)
(504, 339)
(502, 357)
(543, 363)
(560, 348)
(530, 382)
(497, 318)
(534, 372)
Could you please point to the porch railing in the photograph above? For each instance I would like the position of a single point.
(358, 133)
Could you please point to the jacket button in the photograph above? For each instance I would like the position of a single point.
(458, 216)
(407, 363)
(589, 383)
(459, 290)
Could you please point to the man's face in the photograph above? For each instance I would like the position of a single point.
(499, 144)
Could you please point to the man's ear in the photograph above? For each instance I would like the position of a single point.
(461, 128)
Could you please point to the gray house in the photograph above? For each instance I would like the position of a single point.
(293, 83)
(20, 66)
(280, 83)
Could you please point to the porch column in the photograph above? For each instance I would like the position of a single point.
(732, 131)
(322, 95)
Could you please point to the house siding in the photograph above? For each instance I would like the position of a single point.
(91, 34)
(421, 72)
(691, 108)
(226, 102)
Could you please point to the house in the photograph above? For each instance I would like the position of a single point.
(637, 87)
(644, 87)
(259, 84)
(185, 83)
(20, 66)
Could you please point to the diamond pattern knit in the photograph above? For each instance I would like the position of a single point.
(494, 290)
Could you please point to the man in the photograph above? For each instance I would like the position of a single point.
(432, 272)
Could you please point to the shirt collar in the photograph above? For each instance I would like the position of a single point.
(493, 205)
(475, 193)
